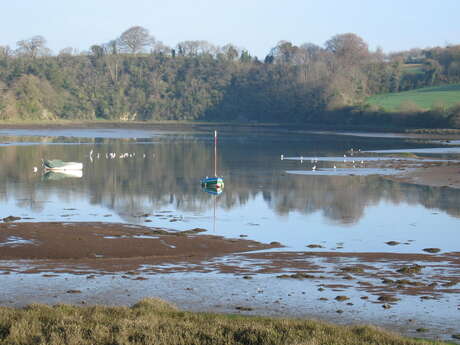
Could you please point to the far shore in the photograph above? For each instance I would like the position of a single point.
(60, 123)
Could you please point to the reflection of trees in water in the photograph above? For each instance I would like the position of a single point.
(168, 177)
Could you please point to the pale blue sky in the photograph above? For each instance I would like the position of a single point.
(256, 25)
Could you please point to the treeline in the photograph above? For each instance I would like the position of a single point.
(136, 77)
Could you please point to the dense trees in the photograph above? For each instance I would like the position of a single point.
(135, 77)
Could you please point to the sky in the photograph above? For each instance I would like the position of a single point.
(255, 25)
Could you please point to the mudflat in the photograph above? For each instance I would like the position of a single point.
(433, 176)
(112, 247)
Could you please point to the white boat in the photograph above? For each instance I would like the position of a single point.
(58, 165)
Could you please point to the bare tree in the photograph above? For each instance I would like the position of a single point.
(284, 52)
(230, 51)
(68, 51)
(135, 39)
(194, 48)
(33, 47)
(6, 52)
(350, 48)
(160, 48)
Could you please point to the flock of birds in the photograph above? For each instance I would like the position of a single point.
(113, 155)
(351, 152)
(108, 155)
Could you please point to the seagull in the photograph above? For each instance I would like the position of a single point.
(35, 169)
(313, 168)
(282, 157)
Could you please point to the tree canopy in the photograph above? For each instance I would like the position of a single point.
(135, 77)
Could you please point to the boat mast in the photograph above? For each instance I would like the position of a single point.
(215, 153)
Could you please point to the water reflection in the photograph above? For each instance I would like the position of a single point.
(55, 176)
(163, 172)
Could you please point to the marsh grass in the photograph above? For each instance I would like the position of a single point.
(152, 321)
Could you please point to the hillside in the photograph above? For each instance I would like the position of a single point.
(419, 99)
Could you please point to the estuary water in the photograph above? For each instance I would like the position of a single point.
(152, 177)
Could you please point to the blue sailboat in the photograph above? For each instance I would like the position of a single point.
(214, 183)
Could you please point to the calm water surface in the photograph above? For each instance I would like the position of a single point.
(265, 198)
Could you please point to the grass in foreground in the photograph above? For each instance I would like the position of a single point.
(153, 321)
(425, 98)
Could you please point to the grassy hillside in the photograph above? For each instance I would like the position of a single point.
(425, 98)
(156, 322)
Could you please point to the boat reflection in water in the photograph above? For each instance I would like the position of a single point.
(215, 191)
(56, 176)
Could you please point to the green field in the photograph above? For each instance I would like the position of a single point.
(425, 98)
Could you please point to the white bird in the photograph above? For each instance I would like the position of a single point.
(282, 157)
(143, 156)
(313, 168)
(335, 167)
(35, 169)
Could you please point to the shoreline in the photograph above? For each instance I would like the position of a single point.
(98, 124)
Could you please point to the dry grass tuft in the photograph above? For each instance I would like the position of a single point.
(152, 321)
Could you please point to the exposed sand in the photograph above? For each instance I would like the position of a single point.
(434, 176)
